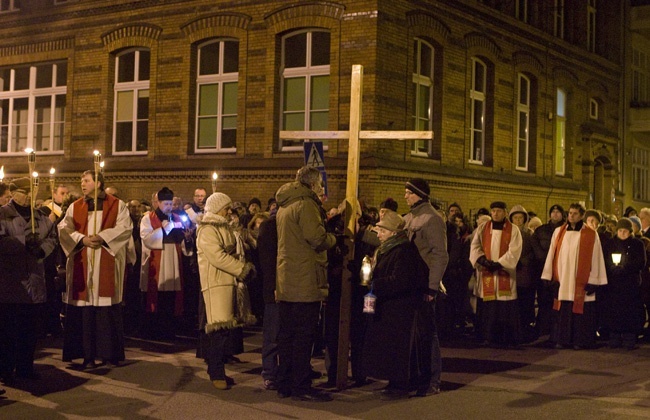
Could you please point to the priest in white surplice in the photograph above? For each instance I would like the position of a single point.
(95, 244)
(574, 269)
(495, 251)
(161, 275)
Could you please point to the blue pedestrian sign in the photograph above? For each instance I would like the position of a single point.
(314, 157)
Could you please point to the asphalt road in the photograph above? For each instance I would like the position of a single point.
(166, 381)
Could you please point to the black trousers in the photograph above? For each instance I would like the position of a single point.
(214, 354)
(298, 325)
(18, 338)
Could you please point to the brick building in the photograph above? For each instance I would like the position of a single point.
(523, 96)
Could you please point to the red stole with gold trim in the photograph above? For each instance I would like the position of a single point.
(154, 270)
(585, 253)
(487, 277)
(107, 261)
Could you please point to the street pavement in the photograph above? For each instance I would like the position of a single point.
(162, 380)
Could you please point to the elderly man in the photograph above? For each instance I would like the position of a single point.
(195, 208)
(24, 243)
(301, 280)
(161, 275)
(95, 241)
(428, 232)
(495, 251)
(574, 269)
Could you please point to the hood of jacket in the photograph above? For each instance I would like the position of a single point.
(518, 209)
(293, 191)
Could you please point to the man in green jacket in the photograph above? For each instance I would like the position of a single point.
(301, 280)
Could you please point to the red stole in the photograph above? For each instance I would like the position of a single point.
(154, 270)
(107, 261)
(587, 241)
(487, 278)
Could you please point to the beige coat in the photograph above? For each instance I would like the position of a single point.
(219, 267)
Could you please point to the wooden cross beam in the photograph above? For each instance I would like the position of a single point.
(351, 203)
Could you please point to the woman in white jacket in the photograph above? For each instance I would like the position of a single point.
(219, 269)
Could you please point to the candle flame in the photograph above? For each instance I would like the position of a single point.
(34, 174)
(215, 176)
(52, 171)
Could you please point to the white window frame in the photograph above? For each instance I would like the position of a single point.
(220, 79)
(11, 131)
(11, 7)
(560, 132)
(558, 19)
(308, 72)
(593, 109)
(523, 109)
(136, 86)
(591, 25)
(641, 174)
(521, 10)
(477, 97)
(422, 147)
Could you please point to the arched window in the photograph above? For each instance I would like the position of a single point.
(423, 70)
(478, 96)
(560, 132)
(217, 81)
(305, 83)
(131, 106)
(523, 122)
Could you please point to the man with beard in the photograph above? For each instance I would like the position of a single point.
(161, 276)
(95, 242)
(22, 280)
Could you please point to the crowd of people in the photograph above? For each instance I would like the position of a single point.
(93, 268)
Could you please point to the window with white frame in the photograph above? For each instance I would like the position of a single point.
(131, 105)
(593, 108)
(217, 82)
(32, 107)
(305, 83)
(423, 67)
(523, 122)
(640, 77)
(641, 174)
(558, 19)
(477, 95)
(560, 132)
(591, 26)
(9, 5)
(521, 10)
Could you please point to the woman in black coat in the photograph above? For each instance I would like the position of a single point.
(625, 308)
(389, 344)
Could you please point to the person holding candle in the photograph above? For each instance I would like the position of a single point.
(624, 259)
(95, 244)
(26, 238)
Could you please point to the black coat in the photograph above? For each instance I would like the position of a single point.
(267, 248)
(624, 307)
(390, 335)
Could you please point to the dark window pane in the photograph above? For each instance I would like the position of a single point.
(123, 136)
(143, 136)
(228, 139)
(209, 58)
(478, 115)
(126, 67)
(145, 63)
(479, 76)
(62, 74)
(21, 78)
(143, 105)
(426, 66)
(523, 91)
(5, 79)
(44, 76)
(295, 51)
(320, 48)
(231, 57)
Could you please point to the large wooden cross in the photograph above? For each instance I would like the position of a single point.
(354, 135)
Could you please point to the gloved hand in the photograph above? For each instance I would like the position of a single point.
(590, 289)
(33, 245)
(495, 266)
(554, 288)
(483, 261)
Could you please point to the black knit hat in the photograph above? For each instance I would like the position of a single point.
(624, 223)
(556, 207)
(498, 205)
(255, 200)
(389, 203)
(418, 186)
(165, 194)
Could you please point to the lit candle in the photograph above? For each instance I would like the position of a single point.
(366, 270)
(2, 173)
(52, 172)
(616, 259)
(214, 182)
(35, 179)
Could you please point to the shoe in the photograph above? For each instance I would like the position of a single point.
(88, 364)
(2, 391)
(111, 362)
(8, 379)
(313, 397)
(358, 383)
(393, 394)
(284, 394)
(315, 374)
(270, 385)
(221, 384)
(429, 390)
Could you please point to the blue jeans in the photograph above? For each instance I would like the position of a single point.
(270, 343)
